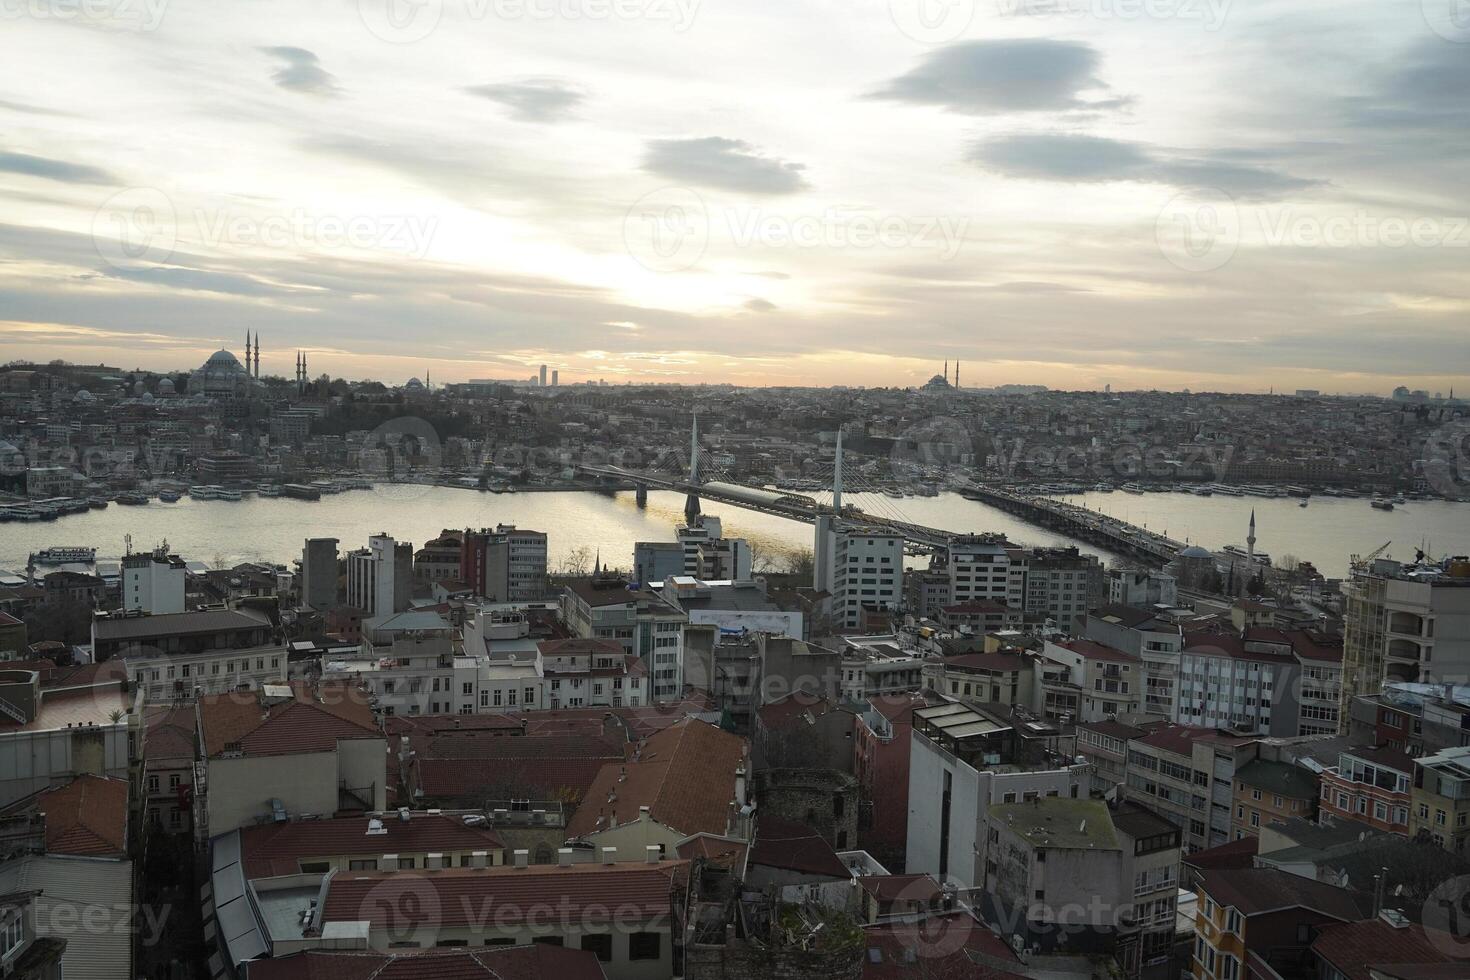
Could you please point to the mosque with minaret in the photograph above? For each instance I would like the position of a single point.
(224, 377)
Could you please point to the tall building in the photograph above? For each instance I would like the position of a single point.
(543, 375)
(656, 561)
(153, 582)
(555, 379)
(380, 577)
(1404, 623)
(855, 565)
(319, 573)
(711, 556)
(506, 564)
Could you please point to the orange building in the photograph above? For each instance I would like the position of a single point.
(1271, 914)
(1371, 786)
(1266, 792)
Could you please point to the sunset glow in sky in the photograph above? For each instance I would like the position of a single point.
(1211, 194)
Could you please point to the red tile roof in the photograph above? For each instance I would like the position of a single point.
(459, 897)
(88, 816)
(1232, 854)
(685, 774)
(538, 961)
(1092, 650)
(797, 847)
(311, 722)
(908, 888)
(955, 946)
(1355, 947)
(1179, 738)
(786, 711)
(275, 849)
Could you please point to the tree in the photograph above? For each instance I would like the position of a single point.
(801, 562)
(578, 562)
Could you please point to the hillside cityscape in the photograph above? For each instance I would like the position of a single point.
(734, 490)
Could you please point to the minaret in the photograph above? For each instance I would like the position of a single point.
(691, 502)
(956, 368)
(257, 355)
(946, 370)
(1250, 539)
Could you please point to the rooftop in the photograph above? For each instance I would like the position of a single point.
(275, 849)
(1280, 778)
(1059, 822)
(533, 962)
(1254, 891)
(1354, 948)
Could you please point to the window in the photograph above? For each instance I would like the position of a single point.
(644, 946)
(601, 944)
(363, 864)
(1229, 967)
(405, 864)
(315, 867)
(1232, 921)
(549, 940)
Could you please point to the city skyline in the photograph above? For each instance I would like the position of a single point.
(749, 206)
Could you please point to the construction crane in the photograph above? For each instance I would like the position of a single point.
(1357, 562)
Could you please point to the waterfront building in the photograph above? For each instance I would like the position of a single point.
(506, 564)
(153, 583)
(319, 575)
(380, 577)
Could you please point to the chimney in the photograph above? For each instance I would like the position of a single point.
(523, 857)
(650, 854)
(609, 855)
(643, 811)
(564, 857)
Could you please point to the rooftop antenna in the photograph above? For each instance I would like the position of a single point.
(127, 545)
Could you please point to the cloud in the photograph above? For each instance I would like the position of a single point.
(30, 110)
(727, 164)
(989, 77)
(302, 72)
(71, 173)
(534, 99)
(758, 305)
(1078, 158)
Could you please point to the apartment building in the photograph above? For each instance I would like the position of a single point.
(858, 566)
(643, 623)
(380, 577)
(153, 583)
(504, 564)
(961, 763)
(1157, 643)
(708, 554)
(1405, 623)
(1004, 677)
(319, 574)
(1228, 680)
(122, 634)
(1266, 792)
(1187, 774)
(1109, 681)
(1261, 912)
(1105, 746)
(1369, 785)
(1440, 801)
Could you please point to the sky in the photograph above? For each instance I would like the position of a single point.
(1229, 195)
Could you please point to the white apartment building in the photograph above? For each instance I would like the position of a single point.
(184, 676)
(708, 554)
(980, 569)
(376, 583)
(858, 566)
(645, 624)
(153, 583)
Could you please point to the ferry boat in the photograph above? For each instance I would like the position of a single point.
(204, 493)
(1227, 490)
(65, 555)
(97, 503)
(132, 498)
(223, 494)
(168, 496)
(21, 513)
(1132, 488)
(1379, 503)
(268, 490)
(1104, 488)
(1303, 502)
(300, 491)
(1398, 498)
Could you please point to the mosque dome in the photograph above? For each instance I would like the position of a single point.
(414, 384)
(166, 386)
(83, 395)
(223, 360)
(1195, 551)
